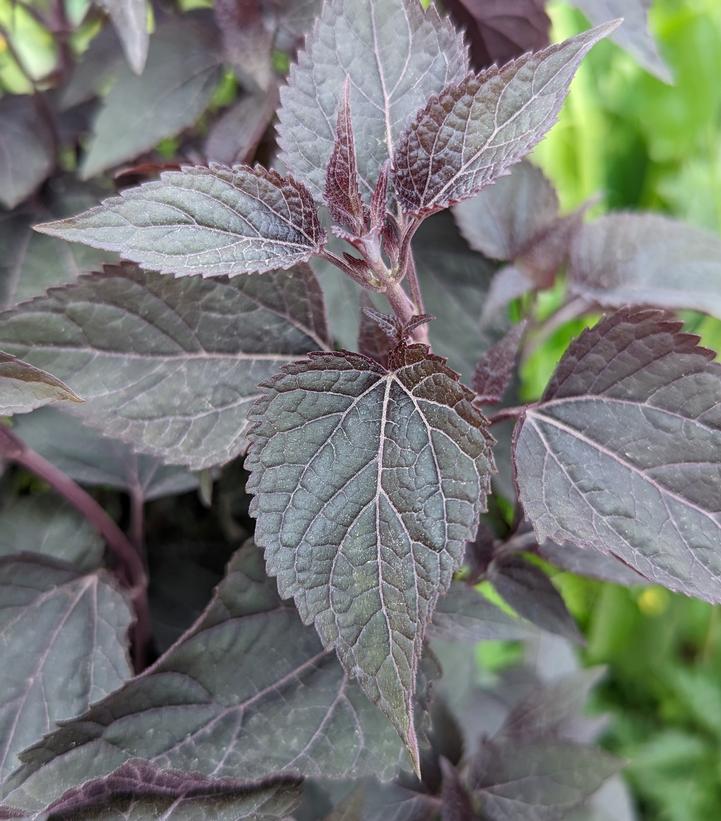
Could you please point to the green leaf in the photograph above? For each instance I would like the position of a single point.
(46, 524)
(24, 388)
(248, 690)
(470, 134)
(623, 259)
(212, 221)
(62, 641)
(170, 366)
(394, 55)
(623, 453)
(368, 482)
(173, 91)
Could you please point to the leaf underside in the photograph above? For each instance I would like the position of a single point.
(623, 453)
(248, 690)
(24, 388)
(213, 221)
(368, 482)
(394, 56)
(473, 131)
(170, 366)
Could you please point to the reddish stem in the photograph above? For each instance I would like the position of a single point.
(508, 413)
(133, 573)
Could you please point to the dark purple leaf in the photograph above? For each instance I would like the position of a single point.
(623, 259)
(138, 790)
(464, 614)
(234, 137)
(504, 220)
(495, 371)
(130, 19)
(247, 690)
(623, 453)
(63, 642)
(341, 182)
(633, 35)
(248, 30)
(499, 30)
(395, 56)
(531, 594)
(170, 366)
(212, 221)
(508, 283)
(455, 801)
(475, 130)
(173, 91)
(95, 460)
(537, 781)
(590, 563)
(27, 153)
(338, 452)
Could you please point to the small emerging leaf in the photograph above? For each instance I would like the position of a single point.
(474, 131)
(394, 55)
(368, 482)
(212, 221)
(24, 388)
(495, 371)
(623, 453)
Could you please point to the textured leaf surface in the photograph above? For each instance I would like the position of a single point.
(170, 366)
(623, 453)
(130, 19)
(249, 690)
(137, 791)
(626, 259)
(62, 641)
(463, 614)
(532, 595)
(395, 56)
(46, 524)
(633, 34)
(499, 30)
(92, 459)
(494, 373)
(212, 221)
(24, 388)
(26, 149)
(173, 91)
(474, 130)
(368, 482)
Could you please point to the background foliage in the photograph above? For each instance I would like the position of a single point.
(639, 144)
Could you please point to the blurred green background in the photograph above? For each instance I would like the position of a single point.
(640, 144)
(637, 144)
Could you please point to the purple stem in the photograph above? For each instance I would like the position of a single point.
(133, 573)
